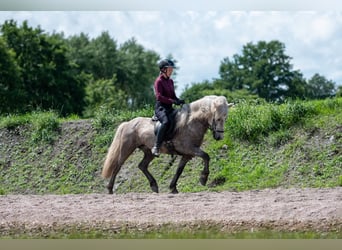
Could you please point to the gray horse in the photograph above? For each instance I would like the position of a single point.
(192, 122)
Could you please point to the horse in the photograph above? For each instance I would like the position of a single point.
(192, 122)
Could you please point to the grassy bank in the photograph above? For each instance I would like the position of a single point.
(296, 144)
(168, 233)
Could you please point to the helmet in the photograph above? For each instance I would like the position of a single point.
(165, 64)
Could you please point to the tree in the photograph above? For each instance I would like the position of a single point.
(133, 67)
(103, 53)
(198, 90)
(79, 53)
(10, 81)
(319, 87)
(339, 91)
(103, 93)
(49, 80)
(137, 70)
(263, 69)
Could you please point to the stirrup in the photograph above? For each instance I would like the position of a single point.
(155, 151)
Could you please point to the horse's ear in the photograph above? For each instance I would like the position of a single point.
(231, 105)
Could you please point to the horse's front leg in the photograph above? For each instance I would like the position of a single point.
(143, 166)
(180, 168)
(205, 172)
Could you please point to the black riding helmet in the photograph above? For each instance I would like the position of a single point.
(166, 63)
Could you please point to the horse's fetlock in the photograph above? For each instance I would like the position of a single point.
(203, 179)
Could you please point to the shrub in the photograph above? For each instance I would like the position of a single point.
(45, 126)
(250, 122)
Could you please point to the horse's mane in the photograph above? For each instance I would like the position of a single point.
(201, 109)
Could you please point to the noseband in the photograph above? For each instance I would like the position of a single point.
(213, 127)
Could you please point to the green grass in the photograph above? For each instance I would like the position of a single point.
(253, 122)
(44, 125)
(296, 144)
(166, 232)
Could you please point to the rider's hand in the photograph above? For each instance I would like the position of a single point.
(181, 102)
(178, 102)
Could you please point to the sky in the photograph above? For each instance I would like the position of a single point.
(199, 40)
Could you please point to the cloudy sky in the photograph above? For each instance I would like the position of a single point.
(200, 39)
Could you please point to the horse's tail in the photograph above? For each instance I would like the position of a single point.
(114, 158)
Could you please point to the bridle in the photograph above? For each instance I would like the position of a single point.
(212, 127)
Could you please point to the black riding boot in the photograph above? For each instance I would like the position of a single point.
(160, 137)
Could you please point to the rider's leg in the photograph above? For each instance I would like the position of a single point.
(160, 137)
(163, 118)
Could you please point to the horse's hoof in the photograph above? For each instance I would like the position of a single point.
(155, 189)
(203, 179)
(174, 191)
(110, 190)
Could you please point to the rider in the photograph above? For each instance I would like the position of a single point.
(165, 96)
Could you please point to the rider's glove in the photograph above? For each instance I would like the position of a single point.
(178, 102)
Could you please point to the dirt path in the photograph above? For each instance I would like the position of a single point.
(276, 209)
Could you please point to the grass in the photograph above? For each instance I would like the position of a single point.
(166, 232)
(252, 123)
(295, 144)
(44, 125)
(275, 145)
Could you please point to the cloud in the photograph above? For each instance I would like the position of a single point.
(199, 40)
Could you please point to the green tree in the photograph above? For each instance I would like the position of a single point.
(79, 53)
(137, 70)
(104, 56)
(11, 92)
(198, 90)
(48, 78)
(103, 93)
(319, 87)
(133, 67)
(339, 91)
(263, 69)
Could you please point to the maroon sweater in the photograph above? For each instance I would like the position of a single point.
(164, 91)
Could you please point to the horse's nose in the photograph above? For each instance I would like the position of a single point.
(218, 136)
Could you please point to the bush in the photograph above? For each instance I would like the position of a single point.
(250, 122)
(45, 126)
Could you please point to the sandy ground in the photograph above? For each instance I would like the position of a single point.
(274, 209)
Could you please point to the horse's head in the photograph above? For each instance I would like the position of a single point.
(219, 114)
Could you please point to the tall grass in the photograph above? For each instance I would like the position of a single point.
(106, 121)
(12, 121)
(265, 145)
(254, 158)
(44, 126)
(106, 118)
(251, 122)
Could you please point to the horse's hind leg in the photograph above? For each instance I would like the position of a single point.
(143, 166)
(110, 185)
(205, 171)
(181, 165)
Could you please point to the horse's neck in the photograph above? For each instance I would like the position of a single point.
(201, 109)
(196, 112)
